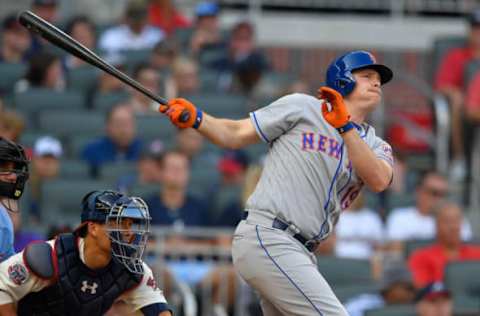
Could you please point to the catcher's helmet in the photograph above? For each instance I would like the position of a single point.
(12, 152)
(127, 222)
(339, 73)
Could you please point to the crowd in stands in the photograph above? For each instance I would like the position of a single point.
(109, 133)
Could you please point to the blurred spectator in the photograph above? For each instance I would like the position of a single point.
(12, 125)
(47, 152)
(120, 142)
(148, 168)
(243, 66)
(134, 34)
(44, 71)
(15, 41)
(395, 287)
(417, 222)
(226, 196)
(428, 264)
(449, 80)
(359, 231)
(22, 236)
(148, 77)
(83, 30)
(434, 300)
(108, 84)
(173, 205)
(163, 55)
(163, 14)
(206, 32)
(184, 79)
(47, 10)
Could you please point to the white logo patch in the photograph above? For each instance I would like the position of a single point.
(86, 286)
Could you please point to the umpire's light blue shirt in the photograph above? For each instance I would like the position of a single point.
(6, 234)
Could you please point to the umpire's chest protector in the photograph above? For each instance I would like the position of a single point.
(78, 290)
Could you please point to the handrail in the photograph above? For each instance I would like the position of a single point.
(442, 143)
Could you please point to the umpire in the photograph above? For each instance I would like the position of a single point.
(84, 273)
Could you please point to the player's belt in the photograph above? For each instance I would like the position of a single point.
(279, 224)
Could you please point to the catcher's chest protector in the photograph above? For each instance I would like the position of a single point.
(79, 290)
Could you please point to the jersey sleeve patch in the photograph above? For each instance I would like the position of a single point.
(18, 273)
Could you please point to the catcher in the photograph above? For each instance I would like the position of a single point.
(85, 272)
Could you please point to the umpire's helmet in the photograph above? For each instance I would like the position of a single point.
(12, 152)
(339, 73)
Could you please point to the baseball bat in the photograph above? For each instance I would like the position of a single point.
(58, 38)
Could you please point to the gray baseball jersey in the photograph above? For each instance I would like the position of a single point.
(307, 178)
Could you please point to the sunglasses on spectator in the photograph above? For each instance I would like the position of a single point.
(436, 192)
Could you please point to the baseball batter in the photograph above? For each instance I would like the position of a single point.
(321, 153)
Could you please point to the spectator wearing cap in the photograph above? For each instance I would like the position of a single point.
(120, 142)
(148, 168)
(81, 29)
(242, 67)
(47, 152)
(395, 287)
(163, 55)
(164, 14)
(206, 31)
(15, 41)
(148, 77)
(449, 80)
(184, 79)
(134, 33)
(428, 264)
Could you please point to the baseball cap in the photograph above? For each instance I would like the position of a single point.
(45, 2)
(233, 161)
(47, 146)
(474, 18)
(206, 8)
(432, 290)
(154, 150)
(394, 273)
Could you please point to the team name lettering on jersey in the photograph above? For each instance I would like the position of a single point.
(321, 143)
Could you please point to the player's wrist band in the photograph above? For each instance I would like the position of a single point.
(345, 128)
(198, 119)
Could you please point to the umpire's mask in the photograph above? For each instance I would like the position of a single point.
(128, 225)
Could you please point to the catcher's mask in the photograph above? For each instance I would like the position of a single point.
(11, 152)
(128, 226)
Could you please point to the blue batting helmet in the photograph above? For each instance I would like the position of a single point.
(339, 73)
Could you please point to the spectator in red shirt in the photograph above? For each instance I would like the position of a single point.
(428, 264)
(449, 80)
(163, 14)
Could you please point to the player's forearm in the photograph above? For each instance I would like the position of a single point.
(8, 310)
(373, 171)
(227, 133)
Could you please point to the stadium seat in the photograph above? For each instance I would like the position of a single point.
(461, 278)
(393, 310)
(105, 102)
(82, 79)
(11, 73)
(70, 123)
(470, 71)
(145, 190)
(345, 271)
(412, 245)
(63, 205)
(134, 57)
(35, 100)
(346, 292)
(155, 126)
(222, 105)
(73, 169)
(77, 143)
(113, 171)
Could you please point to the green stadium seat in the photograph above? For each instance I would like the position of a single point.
(11, 73)
(347, 292)
(461, 278)
(470, 71)
(105, 102)
(113, 171)
(145, 190)
(345, 271)
(412, 245)
(223, 105)
(73, 169)
(154, 126)
(70, 123)
(257, 151)
(134, 57)
(393, 310)
(36, 100)
(202, 179)
(64, 196)
(77, 143)
(82, 79)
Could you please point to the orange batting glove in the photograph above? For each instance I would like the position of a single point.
(176, 107)
(337, 116)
